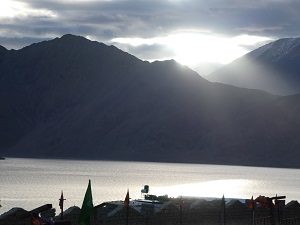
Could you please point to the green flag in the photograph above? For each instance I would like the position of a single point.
(87, 207)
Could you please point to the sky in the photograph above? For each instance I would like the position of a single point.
(202, 34)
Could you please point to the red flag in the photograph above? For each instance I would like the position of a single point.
(251, 203)
(126, 201)
(263, 201)
(35, 221)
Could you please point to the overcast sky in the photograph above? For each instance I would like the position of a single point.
(191, 31)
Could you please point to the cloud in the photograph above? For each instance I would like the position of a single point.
(149, 18)
(148, 52)
(105, 20)
(14, 8)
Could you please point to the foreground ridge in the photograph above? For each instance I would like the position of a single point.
(163, 210)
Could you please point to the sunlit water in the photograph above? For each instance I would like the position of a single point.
(29, 183)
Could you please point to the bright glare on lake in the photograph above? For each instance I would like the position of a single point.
(233, 188)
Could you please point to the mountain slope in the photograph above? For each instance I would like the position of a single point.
(273, 67)
(73, 98)
(3, 51)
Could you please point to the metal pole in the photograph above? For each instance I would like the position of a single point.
(127, 214)
(61, 205)
(223, 204)
(61, 214)
(180, 207)
(253, 215)
(271, 211)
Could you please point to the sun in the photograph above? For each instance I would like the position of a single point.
(192, 48)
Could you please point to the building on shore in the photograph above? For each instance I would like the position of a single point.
(174, 211)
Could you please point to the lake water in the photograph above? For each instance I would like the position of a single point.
(29, 183)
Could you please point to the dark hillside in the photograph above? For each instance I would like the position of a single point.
(74, 98)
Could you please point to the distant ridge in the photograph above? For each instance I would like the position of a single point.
(273, 67)
(74, 98)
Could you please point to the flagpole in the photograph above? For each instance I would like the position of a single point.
(224, 210)
(127, 214)
(126, 204)
(94, 217)
(253, 214)
(180, 207)
(252, 205)
(61, 205)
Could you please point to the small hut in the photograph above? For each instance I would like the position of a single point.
(114, 213)
(15, 216)
(71, 215)
(238, 213)
(292, 209)
(167, 214)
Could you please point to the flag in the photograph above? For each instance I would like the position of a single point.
(35, 221)
(126, 201)
(87, 207)
(126, 205)
(223, 202)
(61, 201)
(251, 203)
(264, 202)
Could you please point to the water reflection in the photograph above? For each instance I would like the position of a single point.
(235, 188)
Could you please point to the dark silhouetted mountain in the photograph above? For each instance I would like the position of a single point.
(3, 51)
(273, 67)
(74, 98)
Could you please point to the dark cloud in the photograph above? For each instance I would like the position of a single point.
(159, 16)
(149, 18)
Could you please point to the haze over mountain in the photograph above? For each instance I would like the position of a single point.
(273, 67)
(74, 98)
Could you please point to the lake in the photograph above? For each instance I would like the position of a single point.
(29, 183)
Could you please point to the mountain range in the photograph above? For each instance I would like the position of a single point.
(273, 67)
(74, 98)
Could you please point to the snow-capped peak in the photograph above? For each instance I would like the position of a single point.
(277, 49)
